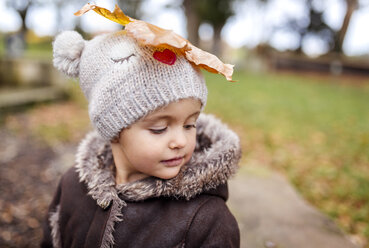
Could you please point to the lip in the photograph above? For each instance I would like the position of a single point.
(173, 162)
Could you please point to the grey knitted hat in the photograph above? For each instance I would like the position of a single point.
(122, 80)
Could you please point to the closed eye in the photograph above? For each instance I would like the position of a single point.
(189, 126)
(121, 60)
(158, 131)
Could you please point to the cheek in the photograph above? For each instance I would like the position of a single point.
(192, 143)
(143, 147)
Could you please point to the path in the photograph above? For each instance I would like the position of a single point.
(272, 215)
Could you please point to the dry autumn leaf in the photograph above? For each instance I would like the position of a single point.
(149, 34)
(116, 16)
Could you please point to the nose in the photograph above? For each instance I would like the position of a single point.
(178, 140)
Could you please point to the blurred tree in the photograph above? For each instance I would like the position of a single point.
(213, 12)
(314, 24)
(59, 5)
(216, 13)
(351, 6)
(131, 8)
(193, 21)
(22, 7)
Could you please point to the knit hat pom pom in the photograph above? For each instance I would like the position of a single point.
(68, 47)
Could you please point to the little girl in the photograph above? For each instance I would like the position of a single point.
(154, 172)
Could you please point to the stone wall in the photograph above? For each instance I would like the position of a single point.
(28, 73)
(24, 82)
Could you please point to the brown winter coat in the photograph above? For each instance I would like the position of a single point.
(89, 210)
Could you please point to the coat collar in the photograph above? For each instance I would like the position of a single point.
(214, 161)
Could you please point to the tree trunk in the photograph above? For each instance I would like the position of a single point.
(193, 22)
(131, 8)
(59, 16)
(24, 29)
(217, 41)
(351, 7)
(23, 14)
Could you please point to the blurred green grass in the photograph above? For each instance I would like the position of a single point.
(313, 129)
(36, 47)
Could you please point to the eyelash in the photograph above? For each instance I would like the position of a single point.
(190, 126)
(160, 131)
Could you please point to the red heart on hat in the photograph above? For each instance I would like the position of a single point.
(167, 56)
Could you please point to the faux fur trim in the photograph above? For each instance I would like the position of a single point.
(214, 161)
(93, 159)
(54, 224)
(115, 216)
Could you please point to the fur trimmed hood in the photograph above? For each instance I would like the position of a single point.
(214, 161)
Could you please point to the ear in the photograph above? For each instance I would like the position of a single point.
(67, 48)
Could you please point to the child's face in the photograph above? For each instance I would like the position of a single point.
(159, 144)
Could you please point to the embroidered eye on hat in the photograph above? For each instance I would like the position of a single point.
(124, 76)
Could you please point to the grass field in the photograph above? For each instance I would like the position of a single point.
(313, 129)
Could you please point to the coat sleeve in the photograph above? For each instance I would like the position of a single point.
(51, 216)
(213, 225)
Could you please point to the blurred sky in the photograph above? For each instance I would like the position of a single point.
(251, 25)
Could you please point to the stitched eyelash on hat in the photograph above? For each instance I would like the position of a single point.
(121, 60)
(149, 34)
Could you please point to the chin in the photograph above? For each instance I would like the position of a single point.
(168, 175)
